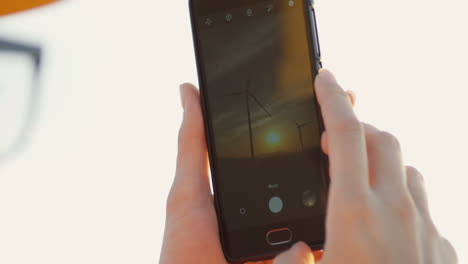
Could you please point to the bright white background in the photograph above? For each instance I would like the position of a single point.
(91, 186)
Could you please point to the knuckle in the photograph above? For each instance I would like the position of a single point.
(415, 180)
(171, 203)
(383, 140)
(405, 214)
(388, 139)
(347, 194)
(413, 172)
(403, 207)
(182, 200)
(177, 201)
(354, 205)
(192, 128)
(182, 134)
(410, 170)
(349, 125)
(372, 135)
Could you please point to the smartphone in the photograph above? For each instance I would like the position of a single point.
(256, 63)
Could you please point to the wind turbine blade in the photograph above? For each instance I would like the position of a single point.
(258, 103)
(305, 124)
(238, 93)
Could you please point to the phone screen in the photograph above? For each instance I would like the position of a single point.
(263, 120)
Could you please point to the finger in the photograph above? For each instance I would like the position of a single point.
(324, 142)
(345, 134)
(385, 163)
(300, 253)
(191, 185)
(352, 100)
(261, 262)
(368, 131)
(415, 183)
(318, 255)
(450, 252)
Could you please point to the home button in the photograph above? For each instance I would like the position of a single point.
(279, 236)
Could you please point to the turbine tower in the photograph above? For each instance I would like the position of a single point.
(299, 128)
(249, 95)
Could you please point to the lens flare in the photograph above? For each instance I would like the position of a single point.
(273, 139)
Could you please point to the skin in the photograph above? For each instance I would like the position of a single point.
(377, 210)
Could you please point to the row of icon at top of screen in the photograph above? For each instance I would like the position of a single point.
(249, 12)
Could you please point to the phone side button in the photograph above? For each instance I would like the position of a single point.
(279, 236)
(319, 64)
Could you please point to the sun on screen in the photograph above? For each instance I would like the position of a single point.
(273, 139)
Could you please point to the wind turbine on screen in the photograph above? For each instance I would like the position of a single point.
(299, 128)
(248, 95)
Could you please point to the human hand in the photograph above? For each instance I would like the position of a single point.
(377, 207)
(191, 232)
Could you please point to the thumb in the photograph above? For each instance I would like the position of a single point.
(300, 253)
(191, 185)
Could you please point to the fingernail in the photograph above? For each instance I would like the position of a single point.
(181, 92)
(326, 75)
(353, 96)
(303, 250)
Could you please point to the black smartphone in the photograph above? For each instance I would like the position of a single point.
(256, 62)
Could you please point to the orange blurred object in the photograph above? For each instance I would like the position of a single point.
(13, 6)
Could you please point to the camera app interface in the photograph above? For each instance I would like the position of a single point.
(264, 122)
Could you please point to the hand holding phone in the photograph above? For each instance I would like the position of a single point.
(256, 61)
(362, 227)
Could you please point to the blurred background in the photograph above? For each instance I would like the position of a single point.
(89, 182)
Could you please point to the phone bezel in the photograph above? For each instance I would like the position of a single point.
(315, 60)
